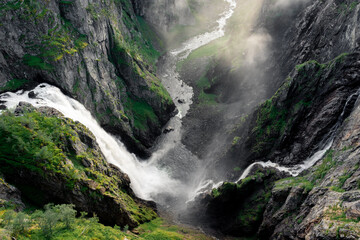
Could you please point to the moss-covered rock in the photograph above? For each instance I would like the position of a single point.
(10, 196)
(288, 127)
(237, 208)
(50, 158)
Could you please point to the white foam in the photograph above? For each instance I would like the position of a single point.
(146, 179)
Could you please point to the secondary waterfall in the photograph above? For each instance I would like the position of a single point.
(295, 170)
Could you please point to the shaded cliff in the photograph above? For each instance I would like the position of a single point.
(99, 53)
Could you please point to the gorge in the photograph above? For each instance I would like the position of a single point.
(229, 119)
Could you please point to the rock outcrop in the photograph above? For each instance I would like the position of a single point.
(50, 158)
(97, 52)
(237, 208)
(289, 127)
(10, 196)
(331, 209)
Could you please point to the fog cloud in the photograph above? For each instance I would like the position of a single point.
(257, 48)
(288, 3)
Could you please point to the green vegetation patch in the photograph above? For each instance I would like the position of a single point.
(141, 112)
(326, 165)
(253, 213)
(243, 203)
(54, 222)
(207, 98)
(209, 50)
(270, 122)
(59, 40)
(294, 182)
(158, 229)
(43, 145)
(37, 62)
(14, 84)
(338, 213)
(63, 222)
(125, 56)
(32, 139)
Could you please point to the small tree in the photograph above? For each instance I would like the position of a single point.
(8, 217)
(47, 220)
(67, 214)
(16, 223)
(20, 224)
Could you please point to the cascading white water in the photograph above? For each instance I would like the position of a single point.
(146, 179)
(295, 170)
(149, 179)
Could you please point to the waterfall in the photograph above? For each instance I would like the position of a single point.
(161, 175)
(295, 170)
(146, 179)
(324, 145)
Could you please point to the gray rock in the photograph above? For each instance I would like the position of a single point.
(10, 195)
(168, 129)
(31, 94)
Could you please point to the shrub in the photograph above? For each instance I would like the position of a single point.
(67, 214)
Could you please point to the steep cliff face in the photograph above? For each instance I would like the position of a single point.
(312, 61)
(331, 209)
(255, 61)
(290, 126)
(315, 60)
(321, 203)
(318, 31)
(50, 158)
(99, 53)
